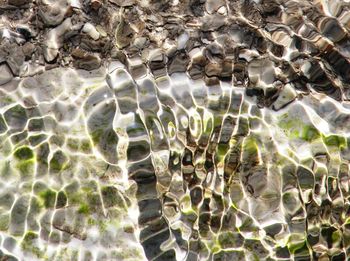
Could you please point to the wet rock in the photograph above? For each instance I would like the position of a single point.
(52, 12)
(111, 197)
(18, 216)
(123, 34)
(16, 117)
(178, 63)
(54, 39)
(157, 63)
(251, 12)
(286, 96)
(102, 132)
(213, 69)
(15, 58)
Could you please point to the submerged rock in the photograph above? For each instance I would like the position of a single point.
(85, 60)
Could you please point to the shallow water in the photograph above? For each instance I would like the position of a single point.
(170, 130)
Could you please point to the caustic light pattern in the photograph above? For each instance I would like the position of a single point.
(174, 130)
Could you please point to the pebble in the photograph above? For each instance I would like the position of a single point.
(91, 31)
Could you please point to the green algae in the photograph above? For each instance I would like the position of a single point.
(334, 140)
(73, 144)
(85, 146)
(4, 221)
(111, 197)
(94, 201)
(296, 243)
(61, 199)
(84, 209)
(250, 150)
(24, 153)
(5, 169)
(58, 162)
(35, 124)
(28, 244)
(296, 128)
(49, 198)
(229, 240)
(3, 126)
(35, 140)
(96, 136)
(309, 133)
(222, 150)
(26, 167)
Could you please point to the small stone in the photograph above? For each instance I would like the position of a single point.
(286, 96)
(50, 54)
(28, 49)
(136, 67)
(140, 42)
(15, 59)
(95, 4)
(213, 69)
(178, 63)
(123, 34)
(52, 13)
(213, 22)
(54, 39)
